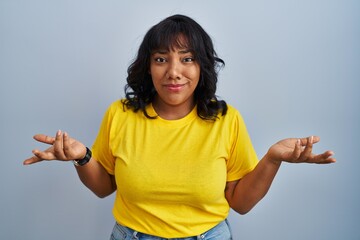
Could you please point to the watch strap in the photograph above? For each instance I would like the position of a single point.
(85, 160)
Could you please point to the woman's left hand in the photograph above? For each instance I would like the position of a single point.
(295, 150)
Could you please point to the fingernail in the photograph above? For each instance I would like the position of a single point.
(311, 139)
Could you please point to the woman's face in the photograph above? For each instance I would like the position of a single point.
(175, 75)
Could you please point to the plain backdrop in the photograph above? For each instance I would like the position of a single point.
(292, 69)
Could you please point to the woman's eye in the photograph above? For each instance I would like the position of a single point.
(189, 59)
(160, 59)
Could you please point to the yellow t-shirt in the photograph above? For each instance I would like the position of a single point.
(171, 174)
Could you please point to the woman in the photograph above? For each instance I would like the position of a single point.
(177, 157)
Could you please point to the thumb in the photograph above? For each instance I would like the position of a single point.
(32, 160)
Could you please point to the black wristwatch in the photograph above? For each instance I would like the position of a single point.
(85, 160)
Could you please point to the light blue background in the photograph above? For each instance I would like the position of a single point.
(292, 69)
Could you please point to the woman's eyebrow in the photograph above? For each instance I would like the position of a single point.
(164, 51)
(184, 51)
(161, 51)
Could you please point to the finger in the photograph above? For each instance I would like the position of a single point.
(33, 159)
(304, 141)
(324, 158)
(67, 145)
(44, 155)
(38, 157)
(316, 139)
(58, 146)
(44, 138)
(307, 152)
(297, 150)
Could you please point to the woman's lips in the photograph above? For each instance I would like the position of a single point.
(174, 87)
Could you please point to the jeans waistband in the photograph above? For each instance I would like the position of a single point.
(221, 231)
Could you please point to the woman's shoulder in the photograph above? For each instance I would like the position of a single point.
(232, 114)
(121, 108)
(231, 110)
(115, 106)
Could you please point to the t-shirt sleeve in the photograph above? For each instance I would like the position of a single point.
(243, 158)
(101, 148)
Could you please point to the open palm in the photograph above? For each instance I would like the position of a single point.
(299, 151)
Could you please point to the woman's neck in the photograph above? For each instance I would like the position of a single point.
(172, 112)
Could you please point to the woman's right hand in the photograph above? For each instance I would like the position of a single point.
(64, 148)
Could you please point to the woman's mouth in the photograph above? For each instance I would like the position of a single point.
(174, 87)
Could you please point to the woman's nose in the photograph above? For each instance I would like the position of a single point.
(174, 71)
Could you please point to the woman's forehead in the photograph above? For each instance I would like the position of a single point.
(179, 41)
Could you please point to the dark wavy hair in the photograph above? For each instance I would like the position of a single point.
(168, 34)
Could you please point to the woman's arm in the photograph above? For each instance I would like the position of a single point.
(244, 194)
(93, 174)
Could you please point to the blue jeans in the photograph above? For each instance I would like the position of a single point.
(221, 231)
